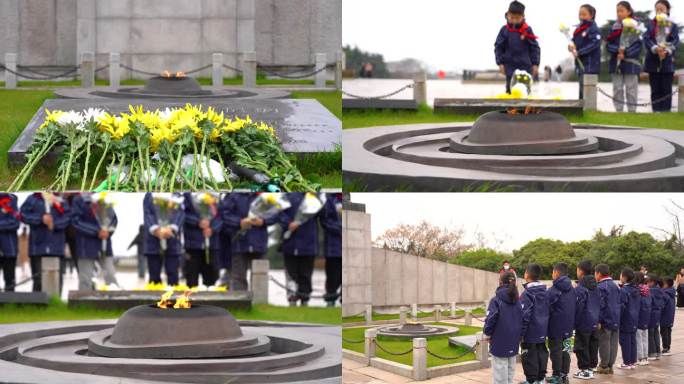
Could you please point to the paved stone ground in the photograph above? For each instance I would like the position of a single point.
(668, 370)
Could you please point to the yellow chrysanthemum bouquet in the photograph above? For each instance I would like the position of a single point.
(159, 150)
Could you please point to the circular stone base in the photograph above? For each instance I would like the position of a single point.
(207, 93)
(416, 330)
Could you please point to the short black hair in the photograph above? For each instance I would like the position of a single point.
(590, 8)
(561, 268)
(585, 266)
(669, 281)
(626, 5)
(638, 277)
(534, 271)
(653, 278)
(628, 273)
(516, 7)
(666, 4)
(602, 269)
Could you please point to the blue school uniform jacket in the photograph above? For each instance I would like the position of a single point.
(588, 304)
(630, 301)
(668, 314)
(43, 242)
(644, 307)
(331, 221)
(562, 306)
(173, 244)
(516, 47)
(657, 306)
(89, 245)
(609, 314)
(652, 62)
(504, 324)
(632, 62)
(194, 239)
(535, 313)
(9, 223)
(303, 241)
(587, 39)
(235, 207)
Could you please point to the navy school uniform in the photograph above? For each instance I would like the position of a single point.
(586, 322)
(235, 207)
(668, 312)
(632, 62)
(153, 249)
(535, 355)
(644, 308)
(587, 40)
(630, 302)
(660, 75)
(331, 221)
(504, 323)
(192, 234)
(657, 306)
(88, 244)
(43, 242)
(9, 224)
(610, 309)
(562, 305)
(516, 47)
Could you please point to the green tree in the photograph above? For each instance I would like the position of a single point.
(356, 57)
(484, 258)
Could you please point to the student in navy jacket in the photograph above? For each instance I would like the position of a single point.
(9, 224)
(626, 75)
(609, 318)
(226, 254)
(516, 46)
(667, 315)
(89, 238)
(246, 246)
(503, 326)
(47, 222)
(660, 61)
(562, 306)
(534, 354)
(195, 230)
(331, 221)
(586, 321)
(656, 313)
(300, 249)
(630, 301)
(644, 318)
(153, 250)
(586, 46)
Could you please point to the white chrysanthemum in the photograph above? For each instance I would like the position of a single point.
(165, 114)
(92, 114)
(70, 117)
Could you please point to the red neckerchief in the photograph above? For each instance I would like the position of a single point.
(656, 28)
(583, 27)
(7, 208)
(57, 205)
(523, 30)
(615, 34)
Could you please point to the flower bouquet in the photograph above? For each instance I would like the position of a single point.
(310, 206)
(205, 205)
(632, 31)
(103, 209)
(165, 206)
(663, 28)
(265, 206)
(565, 30)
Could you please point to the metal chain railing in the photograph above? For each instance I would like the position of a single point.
(353, 96)
(232, 68)
(102, 68)
(31, 77)
(353, 341)
(362, 313)
(645, 104)
(375, 341)
(466, 352)
(124, 66)
(26, 280)
(197, 69)
(291, 75)
(290, 290)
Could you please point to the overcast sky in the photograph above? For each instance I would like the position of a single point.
(450, 34)
(516, 219)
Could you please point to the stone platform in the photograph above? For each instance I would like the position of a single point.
(480, 106)
(409, 105)
(128, 299)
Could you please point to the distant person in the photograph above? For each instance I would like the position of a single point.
(629, 317)
(139, 244)
(367, 70)
(548, 73)
(196, 229)
(653, 282)
(503, 326)
(331, 221)
(586, 46)
(562, 300)
(506, 267)
(644, 269)
(533, 351)
(625, 64)
(609, 319)
(157, 257)
(516, 46)
(9, 224)
(667, 315)
(644, 318)
(660, 58)
(679, 284)
(558, 73)
(586, 321)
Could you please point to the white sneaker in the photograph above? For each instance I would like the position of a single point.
(625, 366)
(583, 375)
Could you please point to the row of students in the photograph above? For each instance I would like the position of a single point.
(50, 220)
(637, 314)
(517, 48)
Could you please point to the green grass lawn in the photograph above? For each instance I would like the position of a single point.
(58, 310)
(18, 106)
(438, 345)
(395, 316)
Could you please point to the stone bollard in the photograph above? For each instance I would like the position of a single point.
(10, 65)
(680, 97)
(414, 311)
(420, 88)
(452, 307)
(49, 268)
(420, 359)
(321, 62)
(249, 69)
(369, 314)
(468, 318)
(259, 281)
(114, 70)
(217, 69)
(482, 350)
(339, 68)
(369, 342)
(87, 69)
(590, 93)
(402, 315)
(438, 313)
